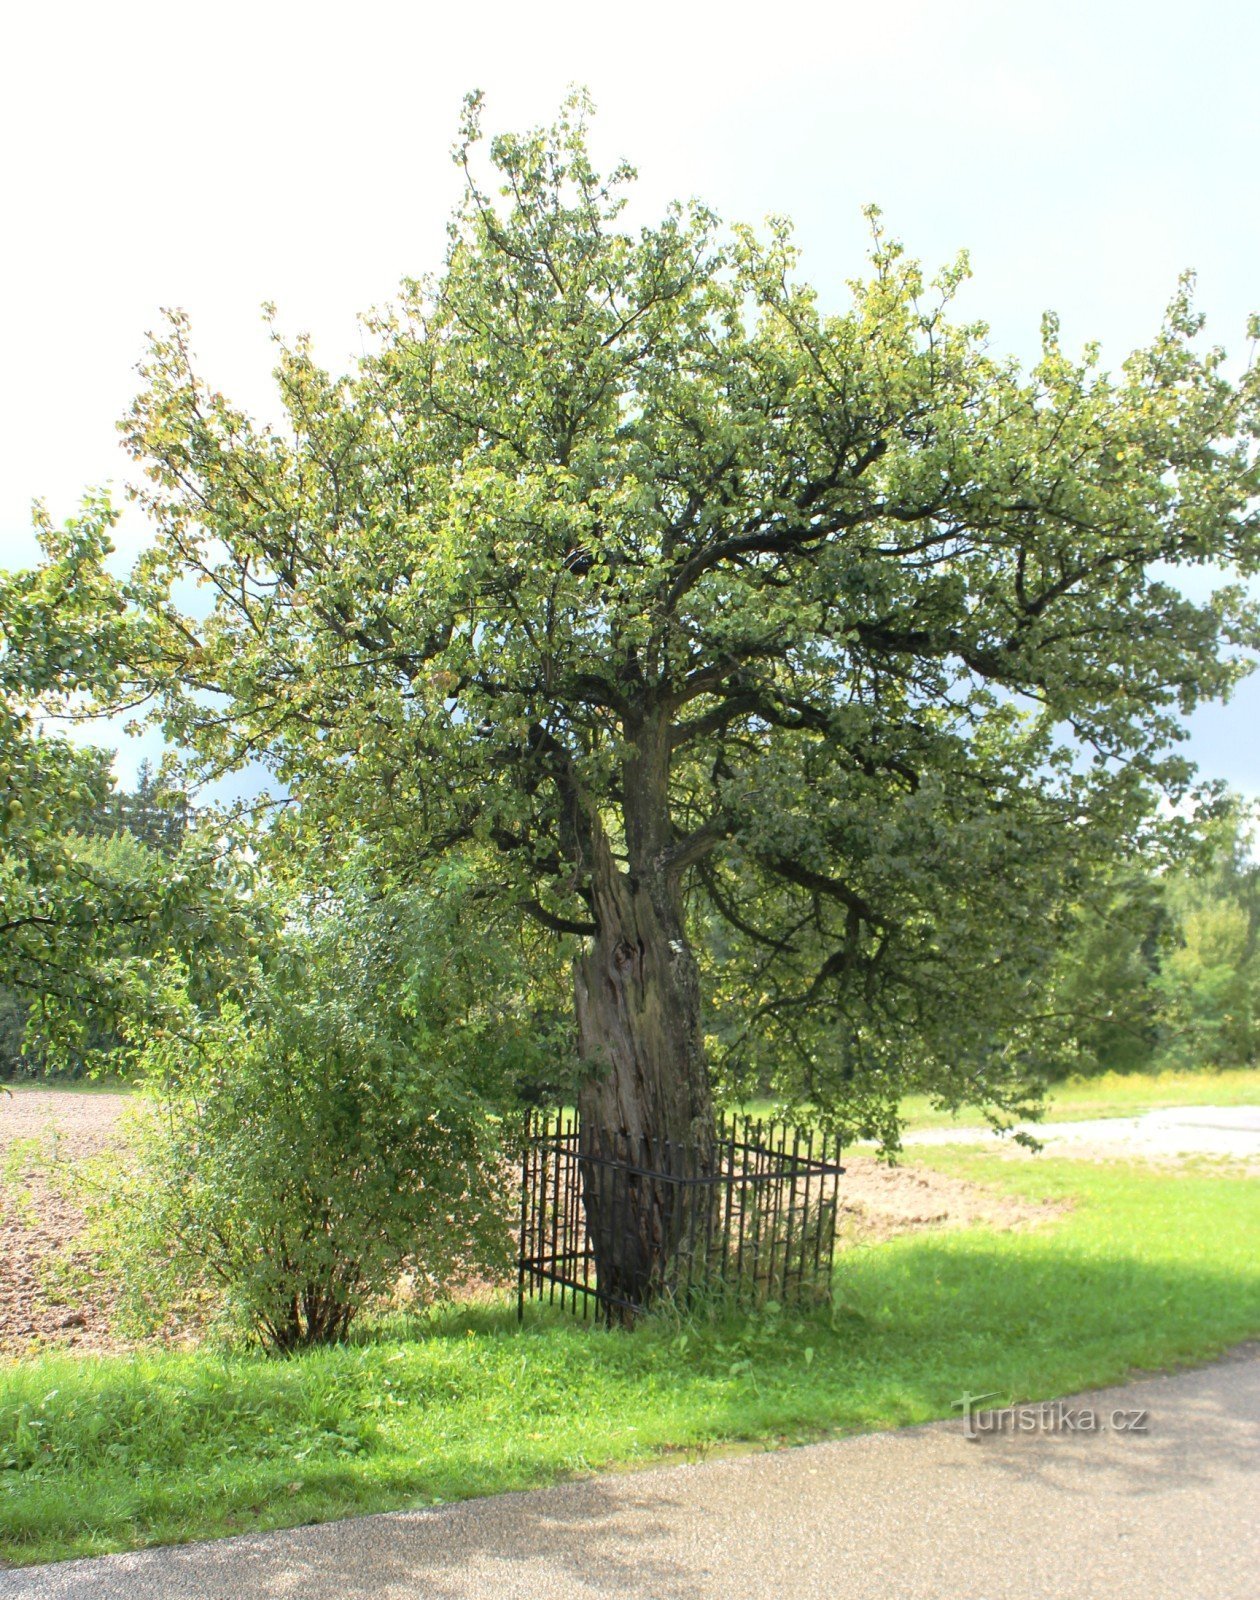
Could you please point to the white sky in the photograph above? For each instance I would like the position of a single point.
(217, 156)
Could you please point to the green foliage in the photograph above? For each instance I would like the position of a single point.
(153, 813)
(62, 634)
(856, 641)
(1162, 970)
(1147, 1270)
(1209, 983)
(1106, 969)
(90, 887)
(338, 1126)
(16, 1059)
(122, 841)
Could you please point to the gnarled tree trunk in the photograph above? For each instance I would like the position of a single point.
(637, 994)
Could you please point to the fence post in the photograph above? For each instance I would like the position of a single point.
(524, 1220)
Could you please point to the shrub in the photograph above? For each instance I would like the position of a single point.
(303, 1151)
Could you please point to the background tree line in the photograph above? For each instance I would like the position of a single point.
(1162, 970)
(145, 824)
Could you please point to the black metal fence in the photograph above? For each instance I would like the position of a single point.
(615, 1222)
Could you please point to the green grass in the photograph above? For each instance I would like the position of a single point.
(1149, 1269)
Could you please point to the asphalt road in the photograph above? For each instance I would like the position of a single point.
(1172, 1511)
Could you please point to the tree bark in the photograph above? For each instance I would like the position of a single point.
(646, 1100)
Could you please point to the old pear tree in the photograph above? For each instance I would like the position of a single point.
(790, 663)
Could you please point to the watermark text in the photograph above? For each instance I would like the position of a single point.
(985, 1421)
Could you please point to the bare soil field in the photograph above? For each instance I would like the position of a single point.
(47, 1135)
(879, 1201)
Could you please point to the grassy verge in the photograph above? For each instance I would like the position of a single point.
(1148, 1269)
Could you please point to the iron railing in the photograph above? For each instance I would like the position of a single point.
(617, 1222)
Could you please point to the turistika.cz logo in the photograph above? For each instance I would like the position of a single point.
(1051, 1416)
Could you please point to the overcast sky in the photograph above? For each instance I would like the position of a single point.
(214, 157)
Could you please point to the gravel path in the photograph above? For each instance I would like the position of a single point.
(920, 1514)
(1173, 1133)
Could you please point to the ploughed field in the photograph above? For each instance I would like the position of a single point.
(50, 1292)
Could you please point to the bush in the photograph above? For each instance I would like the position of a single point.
(305, 1151)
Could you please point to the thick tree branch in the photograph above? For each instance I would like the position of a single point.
(557, 924)
(694, 846)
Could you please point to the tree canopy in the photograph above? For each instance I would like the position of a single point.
(789, 661)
